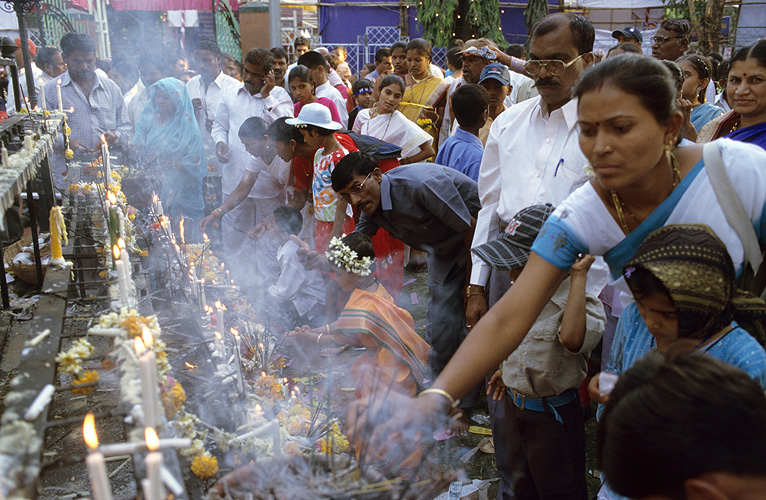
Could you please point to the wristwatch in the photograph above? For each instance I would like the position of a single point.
(471, 290)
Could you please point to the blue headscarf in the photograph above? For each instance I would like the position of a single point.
(175, 149)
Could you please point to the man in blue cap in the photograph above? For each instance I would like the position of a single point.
(629, 34)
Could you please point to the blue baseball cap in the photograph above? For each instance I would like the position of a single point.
(630, 32)
(496, 71)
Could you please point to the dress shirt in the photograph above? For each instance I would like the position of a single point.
(305, 289)
(270, 184)
(137, 105)
(209, 96)
(447, 128)
(38, 76)
(235, 106)
(463, 152)
(531, 157)
(327, 90)
(523, 88)
(428, 207)
(133, 92)
(101, 111)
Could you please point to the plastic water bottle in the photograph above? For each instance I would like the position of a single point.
(454, 490)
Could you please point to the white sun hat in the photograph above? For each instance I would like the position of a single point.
(317, 115)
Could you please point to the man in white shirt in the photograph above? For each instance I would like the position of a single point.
(317, 64)
(301, 45)
(532, 157)
(205, 92)
(257, 96)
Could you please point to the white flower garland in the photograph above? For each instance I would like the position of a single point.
(339, 254)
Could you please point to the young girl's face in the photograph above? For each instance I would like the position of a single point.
(389, 99)
(301, 90)
(660, 315)
(418, 63)
(348, 282)
(364, 99)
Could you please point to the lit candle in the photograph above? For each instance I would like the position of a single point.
(219, 315)
(206, 247)
(114, 224)
(6, 160)
(58, 94)
(99, 480)
(147, 366)
(219, 348)
(156, 491)
(58, 231)
(105, 158)
(28, 144)
(121, 275)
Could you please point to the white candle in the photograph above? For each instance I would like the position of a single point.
(202, 297)
(119, 449)
(40, 402)
(99, 479)
(193, 276)
(219, 316)
(156, 490)
(121, 275)
(58, 94)
(105, 157)
(276, 437)
(28, 145)
(6, 161)
(238, 354)
(219, 348)
(146, 365)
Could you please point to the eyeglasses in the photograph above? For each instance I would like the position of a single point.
(554, 66)
(660, 40)
(355, 189)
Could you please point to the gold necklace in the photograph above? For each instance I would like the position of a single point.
(618, 203)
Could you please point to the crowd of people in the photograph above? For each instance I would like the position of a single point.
(566, 206)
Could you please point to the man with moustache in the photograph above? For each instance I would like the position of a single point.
(257, 96)
(532, 156)
(96, 101)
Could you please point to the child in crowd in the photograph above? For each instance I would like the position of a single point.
(463, 150)
(362, 92)
(496, 79)
(683, 282)
(385, 122)
(396, 356)
(333, 215)
(298, 295)
(540, 442)
(303, 89)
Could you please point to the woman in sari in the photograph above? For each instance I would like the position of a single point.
(168, 140)
(425, 95)
(396, 357)
(683, 282)
(384, 122)
(629, 123)
(746, 91)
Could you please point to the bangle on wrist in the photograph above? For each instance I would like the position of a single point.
(439, 392)
(319, 338)
(471, 290)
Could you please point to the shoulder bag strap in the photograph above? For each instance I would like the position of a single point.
(731, 205)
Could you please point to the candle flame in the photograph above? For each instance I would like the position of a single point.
(139, 346)
(205, 238)
(218, 335)
(146, 335)
(223, 307)
(116, 252)
(121, 243)
(111, 197)
(217, 304)
(155, 198)
(190, 366)
(89, 431)
(263, 374)
(71, 109)
(181, 230)
(152, 441)
(234, 331)
(103, 139)
(260, 346)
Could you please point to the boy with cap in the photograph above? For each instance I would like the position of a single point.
(544, 431)
(463, 150)
(629, 34)
(496, 79)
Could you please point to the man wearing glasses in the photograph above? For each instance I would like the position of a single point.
(533, 156)
(671, 39)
